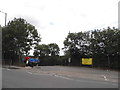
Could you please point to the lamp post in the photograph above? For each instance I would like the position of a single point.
(5, 25)
(5, 17)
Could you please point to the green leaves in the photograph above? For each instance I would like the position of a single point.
(94, 43)
(19, 36)
(47, 50)
(76, 42)
(106, 40)
(54, 49)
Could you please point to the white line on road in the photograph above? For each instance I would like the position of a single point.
(8, 69)
(105, 77)
(30, 72)
(42, 74)
(83, 80)
(59, 76)
(63, 77)
(39, 73)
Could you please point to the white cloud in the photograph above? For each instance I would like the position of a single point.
(55, 18)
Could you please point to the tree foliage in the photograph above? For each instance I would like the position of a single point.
(48, 54)
(54, 49)
(101, 45)
(18, 37)
(41, 50)
(47, 50)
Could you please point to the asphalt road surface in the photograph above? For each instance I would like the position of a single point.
(57, 77)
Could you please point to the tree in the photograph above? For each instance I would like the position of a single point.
(48, 54)
(102, 45)
(54, 49)
(18, 38)
(41, 50)
(51, 49)
(76, 46)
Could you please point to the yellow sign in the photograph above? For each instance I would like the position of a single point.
(87, 61)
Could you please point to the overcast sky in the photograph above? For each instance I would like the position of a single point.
(55, 18)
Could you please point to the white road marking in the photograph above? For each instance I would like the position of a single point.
(30, 72)
(59, 76)
(63, 77)
(42, 74)
(108, 70)
(53, 73)
(105, 77)
(69, 75)
(8, 69)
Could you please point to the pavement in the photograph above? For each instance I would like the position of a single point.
(57, 77)
(75, 72)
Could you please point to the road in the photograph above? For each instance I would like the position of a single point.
(56, 77)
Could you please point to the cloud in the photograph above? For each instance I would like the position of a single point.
(51, 23)
(55, 18)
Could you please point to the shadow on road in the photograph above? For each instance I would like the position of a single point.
(10, 67)
(13, 68)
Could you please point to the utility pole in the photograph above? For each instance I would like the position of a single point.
(108, 61)
(1, 28)
(5, 17)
